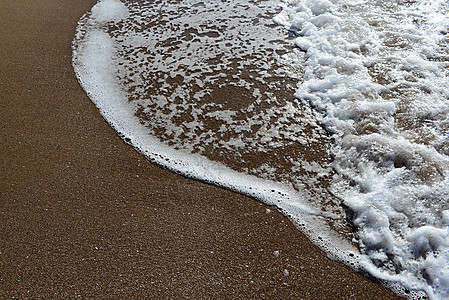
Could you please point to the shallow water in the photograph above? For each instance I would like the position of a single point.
(335, 112)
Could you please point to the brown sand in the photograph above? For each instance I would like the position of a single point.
(83, 214)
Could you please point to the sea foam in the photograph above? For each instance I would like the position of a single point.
(373, 74)
(378, 72)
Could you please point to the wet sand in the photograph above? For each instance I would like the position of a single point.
(84, 215)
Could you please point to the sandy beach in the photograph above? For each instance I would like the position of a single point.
(84, 215)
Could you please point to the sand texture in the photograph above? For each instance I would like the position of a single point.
(84, 215)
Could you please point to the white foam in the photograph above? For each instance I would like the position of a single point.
(376, 70)
(109, 10)
(383, 99)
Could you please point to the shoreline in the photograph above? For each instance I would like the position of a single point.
(83, 214)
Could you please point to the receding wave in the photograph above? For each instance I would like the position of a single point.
(335, 112)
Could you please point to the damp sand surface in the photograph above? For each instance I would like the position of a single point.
(83, 214)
